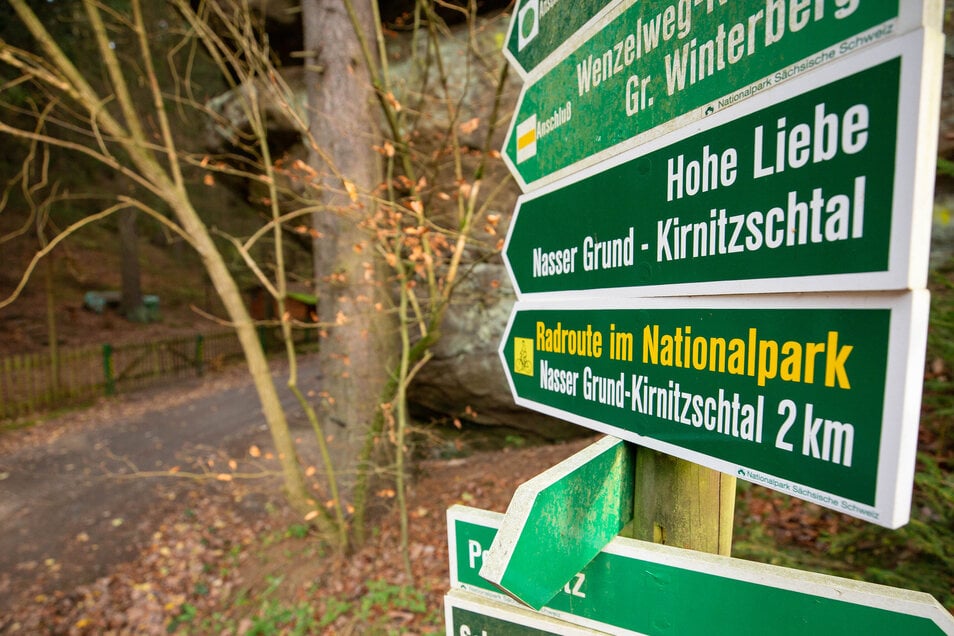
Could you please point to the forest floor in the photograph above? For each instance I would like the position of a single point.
(162, 512)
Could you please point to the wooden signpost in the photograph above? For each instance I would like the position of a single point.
(721, 258)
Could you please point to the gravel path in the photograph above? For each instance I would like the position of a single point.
(71, 506)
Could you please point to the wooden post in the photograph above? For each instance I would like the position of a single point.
(682, 504)
(13, 401)
(199, 356)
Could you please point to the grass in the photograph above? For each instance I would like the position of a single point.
(272, 612)
(278, 592)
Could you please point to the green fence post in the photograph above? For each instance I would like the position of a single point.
(262, 339)
(199, 355)
(7, 391)
(110, 385)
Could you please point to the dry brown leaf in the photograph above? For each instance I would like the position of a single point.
(470, 126)
(352, 190)
(392, 100)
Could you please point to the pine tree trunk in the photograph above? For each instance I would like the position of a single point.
(130, 302)
(359, 348)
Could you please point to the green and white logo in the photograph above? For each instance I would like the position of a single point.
(528, 23)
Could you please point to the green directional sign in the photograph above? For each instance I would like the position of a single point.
(468, 614)
(651, 67)
(539, 28)
(828, 189)
(559, 520)
(633, 587)
(817, 397)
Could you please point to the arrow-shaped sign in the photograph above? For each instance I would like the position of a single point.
(559, 520)
(634, 587)
(815, 186)
(650, 68)
(540, 28)
(814, 396)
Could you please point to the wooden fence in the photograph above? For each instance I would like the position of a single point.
(31, 384)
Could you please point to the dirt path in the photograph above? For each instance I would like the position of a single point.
(70, 505)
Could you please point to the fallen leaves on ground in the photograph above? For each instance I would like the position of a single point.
(235, 561)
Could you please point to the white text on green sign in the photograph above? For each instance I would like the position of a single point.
(815, 396)
(633, 587)
(823, 191)
(655, 67)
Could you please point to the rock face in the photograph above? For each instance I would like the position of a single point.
(465, 378)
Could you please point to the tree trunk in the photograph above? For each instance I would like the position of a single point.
(357, 351)
(130, 302)
(228, 291)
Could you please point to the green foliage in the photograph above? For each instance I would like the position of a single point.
(270, 613)
(919, 555)
(334, 609)
(938, 398)
(187, 614)
(945, 167)
(276, 618)
(384, 595)
(298, 530)
(515, 441)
